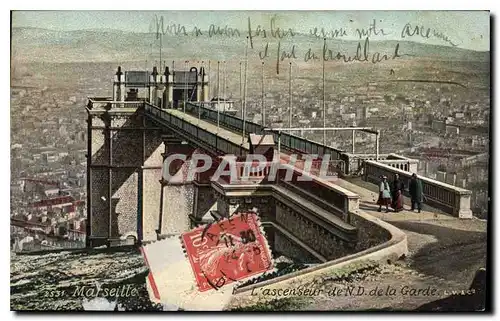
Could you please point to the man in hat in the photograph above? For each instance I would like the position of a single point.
(384, 197)
(416, 192)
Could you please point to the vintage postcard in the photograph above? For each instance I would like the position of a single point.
(250, 160)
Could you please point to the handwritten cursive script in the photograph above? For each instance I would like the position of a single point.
(273, 32)
(362, 54)
(410, 31)
(174, 29)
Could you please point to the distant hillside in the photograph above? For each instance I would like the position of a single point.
(33, 44)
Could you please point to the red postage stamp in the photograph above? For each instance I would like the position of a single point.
(226, 251)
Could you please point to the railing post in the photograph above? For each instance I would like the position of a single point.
(279, 144)
(377, 142)
(353, 139)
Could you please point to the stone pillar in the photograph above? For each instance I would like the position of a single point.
(160, 89)
(153, 81)
(464, 210)
(116, 89)
(151, 93)
(460, 181)
(177, 198)
(352, 204)
(451, 178)
(413, 167)
(199, 85)
(119, 86)
(222, 206)
(122, 89)
(441, 176)
(205, 86)
(353, 139)
(150, 185)
(169, 89)
(204, 199)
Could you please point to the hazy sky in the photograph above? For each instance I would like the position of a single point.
(466, 29)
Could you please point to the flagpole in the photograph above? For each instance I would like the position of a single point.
(290, 94)
(324, 104)
(241, 94)
(218, 92)
(224, 84)
(245, 93)
(209, 89)
(160, 49)
(201, 91)
(151, 52)
(262, 106)
(186, 84)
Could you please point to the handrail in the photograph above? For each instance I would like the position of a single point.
(451, 199)
(289, 141)
(196, 133)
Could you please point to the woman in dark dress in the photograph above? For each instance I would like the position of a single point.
(397, 193)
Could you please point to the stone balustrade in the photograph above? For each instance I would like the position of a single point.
(449, 198)
(107, 103)
(312, 220)
(401, 162)
(317, 189)
(353, 162)
(471, 160)
(410, 165)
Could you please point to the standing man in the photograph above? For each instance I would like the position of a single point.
(416, 192)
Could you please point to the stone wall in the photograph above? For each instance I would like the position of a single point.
(151, 185)
(222, 207)
(264, 206)
(391, 250)
(283, 246)
(315, 236)
(135, 146)
(370, 234)
(205, 199)
(178, 203)
(124, 200)
(99, 220)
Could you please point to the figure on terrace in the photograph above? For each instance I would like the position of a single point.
(416, 192)
(384, 197)
(397, 193)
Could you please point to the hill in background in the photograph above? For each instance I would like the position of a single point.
(43, 45)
